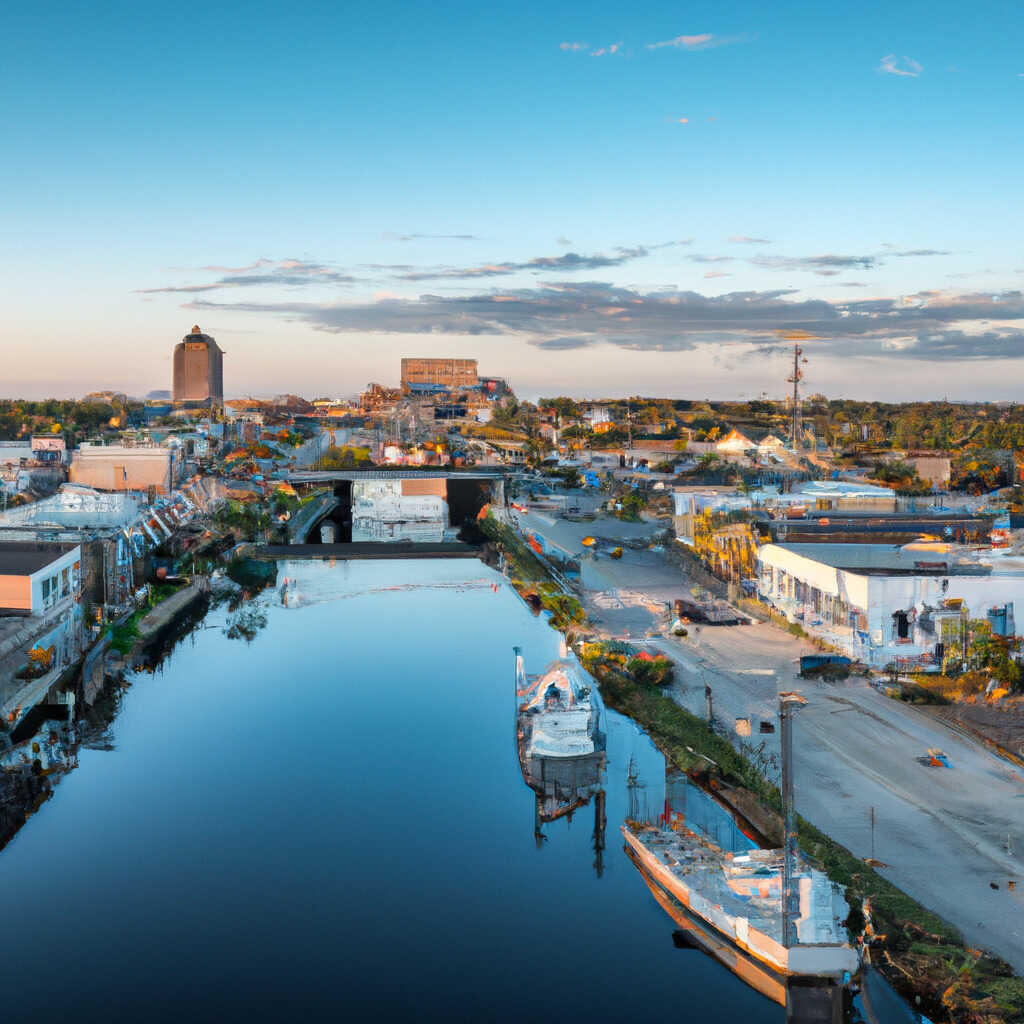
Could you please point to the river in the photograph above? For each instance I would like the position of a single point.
(325, 817)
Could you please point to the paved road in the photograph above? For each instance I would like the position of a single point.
(944, 834)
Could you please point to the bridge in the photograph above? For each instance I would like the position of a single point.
(329, 476)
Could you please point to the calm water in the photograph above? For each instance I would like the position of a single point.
(330, 821)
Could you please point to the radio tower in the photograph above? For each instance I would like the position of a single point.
(794, 379)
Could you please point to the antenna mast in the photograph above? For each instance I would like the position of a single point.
(794, 379)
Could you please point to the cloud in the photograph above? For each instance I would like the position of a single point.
(922, 252)
(562, 240)
(717, 273)
(569, 261)
(927, 325)
(700, 258)
(608, 51)
(573, 47)
(905, 67)
(701, 41)
(684, 120)
(828, 261)
(563, 344)
(287, 273)
(391, 237)
(747, 240)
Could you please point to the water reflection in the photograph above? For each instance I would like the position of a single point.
(330, 820)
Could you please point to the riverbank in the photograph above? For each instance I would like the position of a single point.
(921, 955)
(924, 957)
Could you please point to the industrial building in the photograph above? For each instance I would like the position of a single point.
(198, 369)
(119, 468)
(881, 603)
(431, 376)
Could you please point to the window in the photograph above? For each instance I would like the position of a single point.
(65, 582)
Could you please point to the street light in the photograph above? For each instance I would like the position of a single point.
(789, 703)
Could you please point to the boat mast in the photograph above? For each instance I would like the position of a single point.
(789, 703)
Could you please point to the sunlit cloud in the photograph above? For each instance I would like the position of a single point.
(747, 240)
(906, 67)
(701, 41)
(608, 51)
(569, 261)
(287, 273)
(927, 325)
(573, 47)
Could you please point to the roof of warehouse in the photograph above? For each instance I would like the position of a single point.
(23, 558)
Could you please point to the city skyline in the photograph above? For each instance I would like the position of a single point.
(583, 203)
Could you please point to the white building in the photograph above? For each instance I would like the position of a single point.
(881, 603)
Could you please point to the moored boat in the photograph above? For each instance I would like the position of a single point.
(737, 898)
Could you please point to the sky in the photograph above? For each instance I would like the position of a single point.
(592, 199)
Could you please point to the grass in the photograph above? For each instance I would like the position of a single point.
(125, 635)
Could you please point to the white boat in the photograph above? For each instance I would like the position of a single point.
(560, 739)
(560, 713)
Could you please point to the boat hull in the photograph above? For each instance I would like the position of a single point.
(811, 960)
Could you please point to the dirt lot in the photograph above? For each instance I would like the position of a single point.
(1001, 723)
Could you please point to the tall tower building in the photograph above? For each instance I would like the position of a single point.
(198, 369)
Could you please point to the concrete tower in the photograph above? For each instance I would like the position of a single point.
(198, 369)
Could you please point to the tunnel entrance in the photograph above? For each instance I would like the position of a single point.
(466, 498)
(336, 526)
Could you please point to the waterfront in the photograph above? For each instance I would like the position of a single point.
(332, 820)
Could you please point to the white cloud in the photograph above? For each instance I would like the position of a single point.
(906, 67)
(701, 41)
(573, 47)
(608, 51)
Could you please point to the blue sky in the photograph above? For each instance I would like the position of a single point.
(588, 198)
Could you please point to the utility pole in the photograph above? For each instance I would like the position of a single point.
(794, 379)
(789, 704)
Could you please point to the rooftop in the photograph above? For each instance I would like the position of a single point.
(888, 559)
(23, 558)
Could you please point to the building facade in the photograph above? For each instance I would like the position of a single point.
(117, 468)
(198, 369)
(882, 604)
(433, 375)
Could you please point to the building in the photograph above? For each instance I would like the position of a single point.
(118, 468)
(379, 399)
(735, 443)
(430, 376)
(882, 603)
(41, 622)
(35, 577)
(198, 369)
